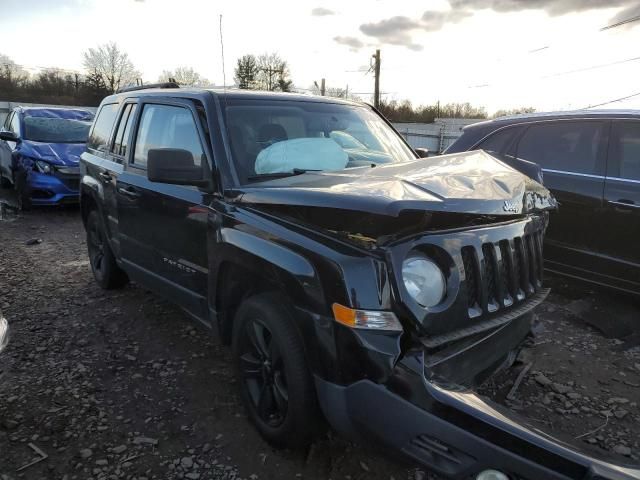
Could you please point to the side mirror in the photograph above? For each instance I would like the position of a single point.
(174, 166)
(9, 137)
(422, 152)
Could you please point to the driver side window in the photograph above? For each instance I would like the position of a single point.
(167, 126)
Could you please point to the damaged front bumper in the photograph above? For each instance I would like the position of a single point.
(59, 187)
(422, 411)
(458, 435)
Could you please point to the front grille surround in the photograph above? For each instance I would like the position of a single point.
(488, 272)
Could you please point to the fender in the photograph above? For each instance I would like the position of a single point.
(92, 192)
(273, 261)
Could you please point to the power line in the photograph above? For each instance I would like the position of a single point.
(567, 72)
(593, 67)
(622, 22)
(612, 101)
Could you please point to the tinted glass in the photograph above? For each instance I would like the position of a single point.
(164, 126)
(626, 149)
(499, 141)
(56, 130)
(270, 138)
(124, 143)
(99, 137)
(124, 127)
(565, 146)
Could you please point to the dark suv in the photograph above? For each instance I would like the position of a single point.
(351, 277)
(591, 164)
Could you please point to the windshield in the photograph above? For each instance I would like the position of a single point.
(56, 130)
(272, 138)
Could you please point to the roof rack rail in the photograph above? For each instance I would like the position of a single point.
(149, 85)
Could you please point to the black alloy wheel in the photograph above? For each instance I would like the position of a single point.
(275, 383)
(263, 372)
(103, 263)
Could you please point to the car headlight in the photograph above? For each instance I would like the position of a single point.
(42, 167)
(424, 280)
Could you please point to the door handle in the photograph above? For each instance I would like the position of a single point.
(623, 202)
(129, 192)
(105, 176)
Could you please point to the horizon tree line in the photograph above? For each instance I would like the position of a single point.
(107, 68)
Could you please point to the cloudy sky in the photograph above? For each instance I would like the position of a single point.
(549, 54)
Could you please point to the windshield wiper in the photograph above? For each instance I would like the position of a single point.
(293, 173)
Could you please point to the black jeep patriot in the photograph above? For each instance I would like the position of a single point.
(354, 280)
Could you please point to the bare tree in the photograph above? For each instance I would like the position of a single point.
(186, 76)
(11, 75)
(513, 111)
(112, 64)
(246, 73)
(273, 73)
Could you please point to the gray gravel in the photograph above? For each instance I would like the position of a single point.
(121, 385)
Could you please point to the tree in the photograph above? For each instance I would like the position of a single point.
(12, 76)
(112, 65)
(513, 111)
(273, 73)
(246, 73)
(185, 76)
(405, 112)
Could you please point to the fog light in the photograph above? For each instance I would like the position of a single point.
(492, 475)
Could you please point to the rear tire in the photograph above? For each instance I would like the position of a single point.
(103, 263)
(275, 384)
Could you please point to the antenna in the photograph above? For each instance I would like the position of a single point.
(224, 76)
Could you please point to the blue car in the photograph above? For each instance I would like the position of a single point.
(39, 153)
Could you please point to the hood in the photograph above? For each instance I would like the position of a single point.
(470, 182)
(67, 154)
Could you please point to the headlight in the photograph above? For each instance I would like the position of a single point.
(424, 280)
(43, 167)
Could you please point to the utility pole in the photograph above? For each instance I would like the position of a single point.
(322, 87)
(376, 70)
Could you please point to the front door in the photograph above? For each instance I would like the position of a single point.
(572, 156)
(622, 204)
(163, 227)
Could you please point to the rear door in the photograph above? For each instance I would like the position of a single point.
(621, 229)
(572, 155)
(102, 169)
(162, 226)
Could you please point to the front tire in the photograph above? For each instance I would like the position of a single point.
(103, 263)
(275, 383)
(23, 196)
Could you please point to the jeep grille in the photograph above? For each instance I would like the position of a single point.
(502, 273)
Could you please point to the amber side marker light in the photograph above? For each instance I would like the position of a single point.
(370, 319)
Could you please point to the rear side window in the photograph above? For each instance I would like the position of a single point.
(566, 146)
(166, 126)
(625, 150)
(499, 141)
(99, 136)
(121, 139)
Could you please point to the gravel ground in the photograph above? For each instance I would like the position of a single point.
(122, 384)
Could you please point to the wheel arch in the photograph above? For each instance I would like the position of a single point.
(248, 265)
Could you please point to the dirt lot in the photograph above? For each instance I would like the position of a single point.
(122, 385)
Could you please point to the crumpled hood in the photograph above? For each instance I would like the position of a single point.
(67, 154)
(469, 182)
